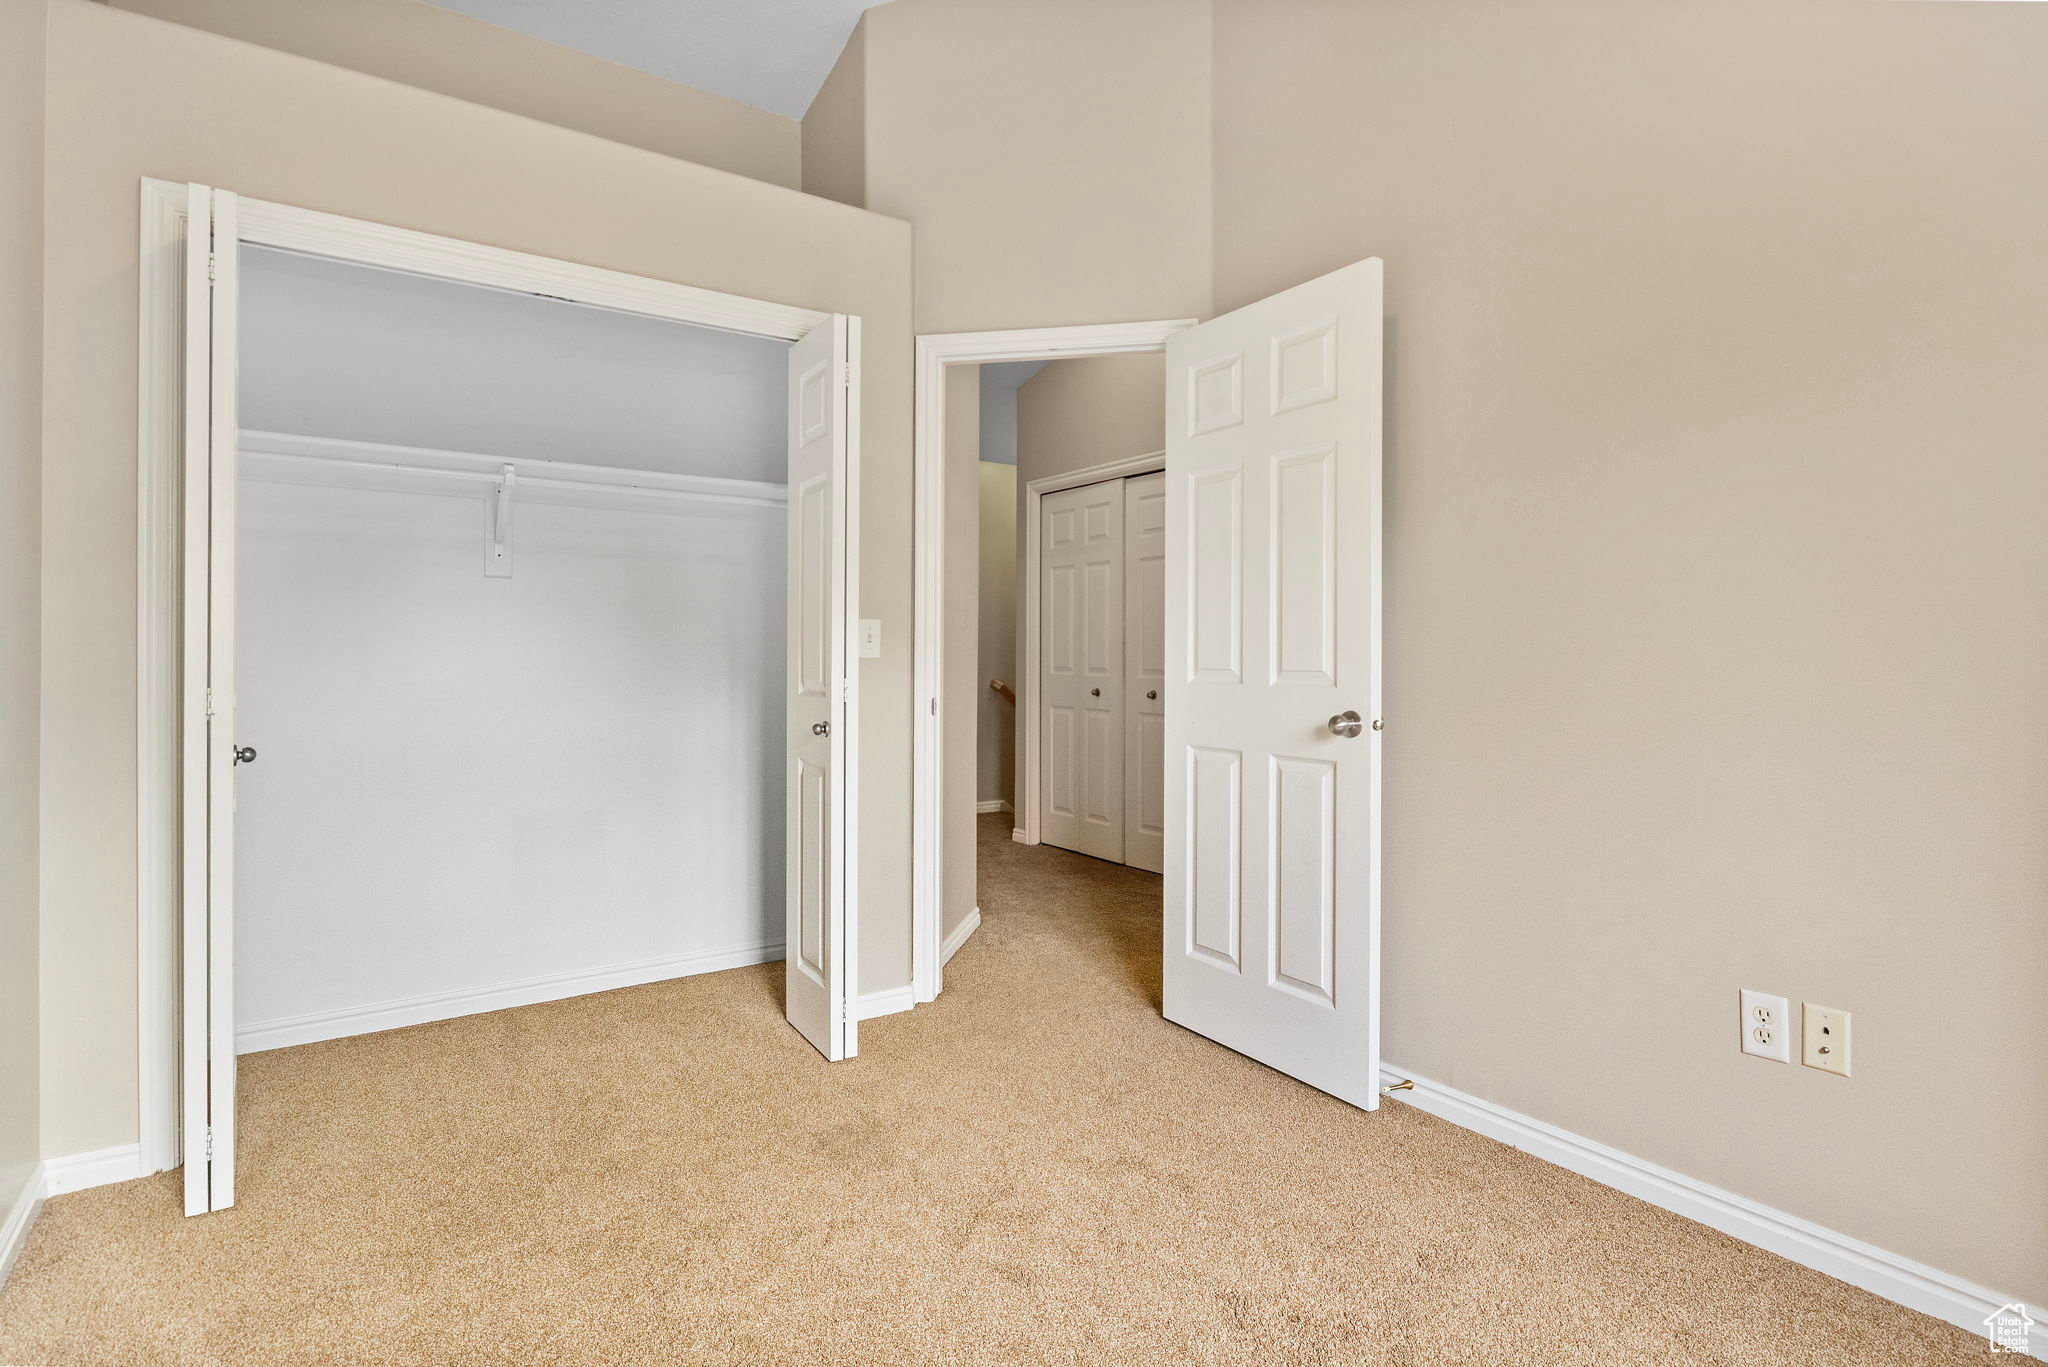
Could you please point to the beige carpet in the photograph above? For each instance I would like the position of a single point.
(1034, 1169)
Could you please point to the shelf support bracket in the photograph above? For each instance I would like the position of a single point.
(498, 526)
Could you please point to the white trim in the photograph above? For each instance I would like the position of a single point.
(884, 1003)
(21, 1218)
(936, 351)
(475, 1001)
(849, 754)
(967, 927)
(994, 804)
(280, 458)
(100, 1168)
(1913, 1285)
(402, 249)
(159, 446)
(1029, 608)
(1017, 834)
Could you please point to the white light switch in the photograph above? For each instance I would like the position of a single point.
(870, 638)
(1766, 1026)
(1827, 1039)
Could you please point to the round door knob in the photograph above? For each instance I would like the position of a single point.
(1094, 692)
(245, 754)
(1151, 695)
(1347, 724)
(821, 728)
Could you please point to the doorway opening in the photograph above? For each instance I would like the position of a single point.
(1270, 682)
(961, 734)
(537, 580)
(511, 624)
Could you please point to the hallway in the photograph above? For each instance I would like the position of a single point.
(1034, 1169)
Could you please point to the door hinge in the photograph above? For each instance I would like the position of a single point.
(935, 707)
(209, 702)
(846, 374)
(212, 268)
(209, 1143)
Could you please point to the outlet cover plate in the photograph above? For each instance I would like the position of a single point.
(1826, 1032)
(1766, 1026)
(870, 638)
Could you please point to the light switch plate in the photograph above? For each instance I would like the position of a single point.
(870, 638)
(1766, 1026)
(1827, 1039)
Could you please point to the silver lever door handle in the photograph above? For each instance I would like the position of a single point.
(1347, 724)
(821, 728)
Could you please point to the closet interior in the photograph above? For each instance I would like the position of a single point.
(512, 615)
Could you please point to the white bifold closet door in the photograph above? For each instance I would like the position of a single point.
(815, 971)
(1273, 648)
(1081, 680)
(1102, 684)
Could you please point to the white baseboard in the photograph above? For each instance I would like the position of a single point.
(1913, 1285)
(1019, 836)
(101, 1167)
(885, 1003)
(393, 1015)
(21, 1217)
(992, 805)
(959, 936)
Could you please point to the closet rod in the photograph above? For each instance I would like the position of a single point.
(306, 457)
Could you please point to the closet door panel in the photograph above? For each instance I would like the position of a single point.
(816, 976)
(1145, 671)
(1081, 720)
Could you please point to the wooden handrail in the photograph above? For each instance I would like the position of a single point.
(1003, 690)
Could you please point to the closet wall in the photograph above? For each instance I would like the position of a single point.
(474, 791)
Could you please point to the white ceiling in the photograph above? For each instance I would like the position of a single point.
(772, 54)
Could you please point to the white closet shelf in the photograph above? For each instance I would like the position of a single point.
(283, 458)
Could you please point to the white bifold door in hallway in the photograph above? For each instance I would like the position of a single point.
(811, 695)
(1102, 669)
(1273, 672)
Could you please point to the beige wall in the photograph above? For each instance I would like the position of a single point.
(1090, 411)
(835, 128)
(996, 736)
(453, 54)
(960, 665)
(1054, 158)
(21, 341)
(1717, 467)
(1053, 155)
(1084, 412)
(131, 97)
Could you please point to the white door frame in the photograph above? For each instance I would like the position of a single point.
(1030, 762)
(159, 447)
(936, 351)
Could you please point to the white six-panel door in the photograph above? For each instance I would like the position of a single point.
(1081, 592)
(815, 970)
(1273, 648)
(1144, 711)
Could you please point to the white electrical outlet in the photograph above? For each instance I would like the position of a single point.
(1827, 1039)
(1766, 1026)
(870, 638)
